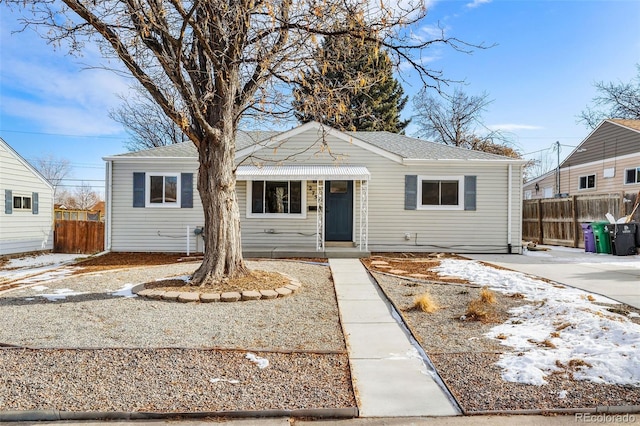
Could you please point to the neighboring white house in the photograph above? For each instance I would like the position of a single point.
(26, 218)
(312, 188)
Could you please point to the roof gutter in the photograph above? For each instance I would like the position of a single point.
(411, 161)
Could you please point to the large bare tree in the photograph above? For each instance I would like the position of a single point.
(456, 120)
(55, 170)
(147, 124)
(614, 100)
(227, 59)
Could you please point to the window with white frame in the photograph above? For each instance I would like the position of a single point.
(163, 190)
(587, 182)
(21, 203)
(276, 198)
(441, 192)
(632, 176)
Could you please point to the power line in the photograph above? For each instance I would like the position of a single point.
(63, 134)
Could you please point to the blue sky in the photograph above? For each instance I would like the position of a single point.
(540, 75)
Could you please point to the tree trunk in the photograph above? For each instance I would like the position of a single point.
(217, 187)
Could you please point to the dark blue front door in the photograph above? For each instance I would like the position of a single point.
(339, 210)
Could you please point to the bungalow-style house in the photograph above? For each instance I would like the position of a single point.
(608, 160)
(26, 218)
(313, 188)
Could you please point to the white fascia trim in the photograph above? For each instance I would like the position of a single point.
(116, 158)
(320, 129)
(412, 161)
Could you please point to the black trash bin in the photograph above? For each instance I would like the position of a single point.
(623, 238)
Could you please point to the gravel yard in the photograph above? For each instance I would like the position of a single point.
(84, 343)
(466, 359)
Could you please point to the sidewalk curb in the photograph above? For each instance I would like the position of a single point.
(57, 415)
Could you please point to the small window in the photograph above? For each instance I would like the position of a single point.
(163, 190)
(632, 176)
(339, 187)
(276, 197)
(442, 193)
(587, 182)
(22, 203)
(527, 194)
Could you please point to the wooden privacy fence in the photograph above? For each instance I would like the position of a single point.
(557, 221)
(78, 236)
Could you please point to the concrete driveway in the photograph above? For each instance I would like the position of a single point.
(617, 277)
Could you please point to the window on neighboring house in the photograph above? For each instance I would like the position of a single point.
(528, 194)
(22, 203)
(276, 197)
(440, 193)
(587, 182)
(632, 175)
(163, 190)
(548, 192)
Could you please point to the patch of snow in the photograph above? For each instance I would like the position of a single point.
(633, 315)
(125, 291)
(560, 327)
(412, 353)
(60, 294)
(562, 394)
(39, 288)
(217, 380)
(184, 278)
(45, 259)
(260, 362)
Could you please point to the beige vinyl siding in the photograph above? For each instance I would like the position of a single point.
(570, 177)
(22, 231)
(152, 229)
(484, 229)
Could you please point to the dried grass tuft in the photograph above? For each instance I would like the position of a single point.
(477, 310)
(425, 303)
(487, 296)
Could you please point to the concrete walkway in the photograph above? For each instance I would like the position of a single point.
(390, 377)
(617, 277)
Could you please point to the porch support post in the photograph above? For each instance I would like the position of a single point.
(320, 216)
(364, 215)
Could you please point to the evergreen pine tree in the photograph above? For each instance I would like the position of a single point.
(351, 87)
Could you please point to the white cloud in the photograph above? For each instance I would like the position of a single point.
(476, 3)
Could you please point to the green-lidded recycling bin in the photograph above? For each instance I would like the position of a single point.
(601, 235)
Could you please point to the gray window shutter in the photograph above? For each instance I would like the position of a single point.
(186, 190)
(410, 192)
(34, 203)
(8, 201)
(470, 192)
(138, 189)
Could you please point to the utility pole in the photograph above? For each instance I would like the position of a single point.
(558, 170)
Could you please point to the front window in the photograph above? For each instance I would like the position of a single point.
(587, 182)
(276, 197)
(440, 193)
(632, 176)
(163, 190)
(22, 203)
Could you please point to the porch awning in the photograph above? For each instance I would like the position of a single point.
(303, 172)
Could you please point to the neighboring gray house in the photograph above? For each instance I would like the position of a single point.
(26, 218)
(313, 188)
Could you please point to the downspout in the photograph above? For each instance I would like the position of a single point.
(509, 208)
(109, 199)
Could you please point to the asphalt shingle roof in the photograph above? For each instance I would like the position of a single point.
(403, 146)
(632, 124)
